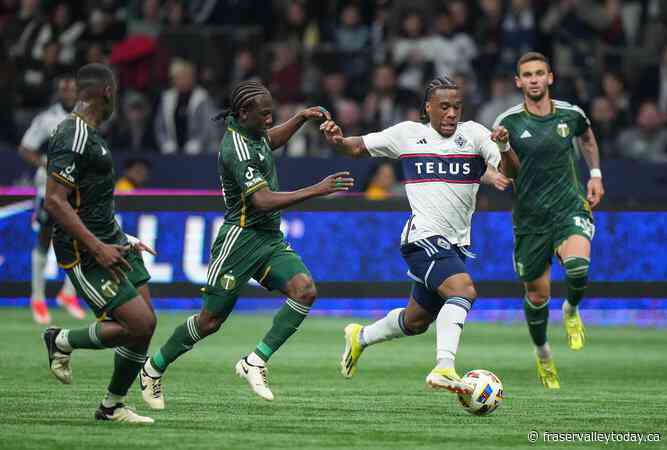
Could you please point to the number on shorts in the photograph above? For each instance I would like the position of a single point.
(585, 225)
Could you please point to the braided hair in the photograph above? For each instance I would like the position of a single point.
(242, 95)
(443, 82)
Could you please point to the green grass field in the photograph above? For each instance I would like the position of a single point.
(615, 384)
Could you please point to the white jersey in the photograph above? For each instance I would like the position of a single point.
(442, 175)
(39, 132)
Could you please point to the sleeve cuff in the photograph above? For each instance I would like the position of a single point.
(256, 187)
(62, 180)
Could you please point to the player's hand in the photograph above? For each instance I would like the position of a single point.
(595, 191)
(332, 132)
(316, 113)
(111, 257)
(500, 181)
(500, 135)
(337, 182)
(141, 247)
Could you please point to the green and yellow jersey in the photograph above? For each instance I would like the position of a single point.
(245, 165)
(79, 158)
(547, 188)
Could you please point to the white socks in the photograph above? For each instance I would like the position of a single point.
(62, 341)
(150, 370)
(255, 360)
(543, 352)
(449, 326)
(384, 329)
(567, 308)
(38, 279)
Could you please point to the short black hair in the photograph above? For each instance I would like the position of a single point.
(93, 76)
(443, 82)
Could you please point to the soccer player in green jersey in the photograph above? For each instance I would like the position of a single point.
(104, 264)
(249, 243)
(552, 211)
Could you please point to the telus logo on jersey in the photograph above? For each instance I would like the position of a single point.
(431, 167)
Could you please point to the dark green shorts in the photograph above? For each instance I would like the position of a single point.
(239, 254)
(533, 252)
(102, 294)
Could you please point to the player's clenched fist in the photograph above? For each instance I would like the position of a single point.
(332, 132)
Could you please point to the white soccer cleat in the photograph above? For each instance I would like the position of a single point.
(256, 377)
(59, 361)
(448, 379)
(151, 390)
(121, 413)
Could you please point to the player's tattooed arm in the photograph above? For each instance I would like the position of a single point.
(107, 255)
(588, 146)
(279, 135)
(350, 146)
(268, 200)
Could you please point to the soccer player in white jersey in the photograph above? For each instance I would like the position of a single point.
(30, 150)
(443, 163)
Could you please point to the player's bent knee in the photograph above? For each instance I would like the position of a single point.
(302, 289)
(209, 324)
(537, 298)
(418, 326)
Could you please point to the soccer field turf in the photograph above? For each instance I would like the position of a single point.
(616, 383)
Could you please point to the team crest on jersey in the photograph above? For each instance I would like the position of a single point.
(109, 289)
(563, 130)
(460, 141)
(443, 243)
(228, 281)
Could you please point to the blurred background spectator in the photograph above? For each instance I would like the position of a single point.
(382, 182)
(136, 172)
(365, 61)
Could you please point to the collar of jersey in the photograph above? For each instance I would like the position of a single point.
(235, 126)
(535, 116)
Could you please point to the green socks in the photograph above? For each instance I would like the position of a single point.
(576, 270)
(285, 323)
(127, 364)
(537, 318)
(81, 338)
(185, 336)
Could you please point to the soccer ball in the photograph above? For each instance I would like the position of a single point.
(487, 392)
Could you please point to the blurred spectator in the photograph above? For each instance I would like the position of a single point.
(386, 104)
(103, 28)
(36, 83)
(606, 126)
(285, 74)
(176, 15)
(307, 141)
(147, 22)
(64, 29)
(503, 96)
(452, 50)
(348, 116)
(334, 85)
(136, 172)
(519, 33)
(133, 131)
(573, 25)
(244, 68)
(382, 183)
(613, 88)
(488, 36)
(8, 132)
(94, 53)
(183, 121)
(471, 97)
(653, 83)
(21, 31)
(648, 139)
(460, 14)
(351, 34)
(413, 53)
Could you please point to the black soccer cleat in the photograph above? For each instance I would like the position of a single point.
(59, 361)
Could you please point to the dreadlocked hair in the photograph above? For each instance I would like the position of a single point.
(242, 95)
(443, 82)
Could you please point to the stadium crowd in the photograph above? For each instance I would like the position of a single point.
(365, 60)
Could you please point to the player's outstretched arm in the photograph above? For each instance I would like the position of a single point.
(31, 156)
(279, 135)
(108, 256)
(351, 146)
(267, 200)
(589, 149)
(509, 161)
(496, 179)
